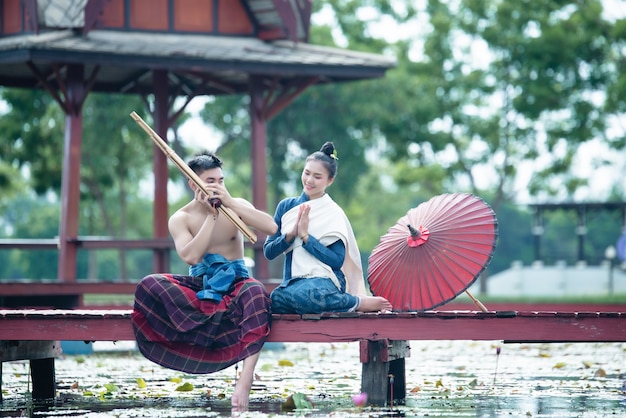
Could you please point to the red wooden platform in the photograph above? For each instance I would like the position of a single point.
(383, 337)
(507, 326)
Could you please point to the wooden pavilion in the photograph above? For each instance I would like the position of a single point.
(163, 50)
(582, 212)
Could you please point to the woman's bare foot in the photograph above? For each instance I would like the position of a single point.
(241, 395)
(374, 304)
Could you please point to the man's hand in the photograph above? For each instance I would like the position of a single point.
(219, 195)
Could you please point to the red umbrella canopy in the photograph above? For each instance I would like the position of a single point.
(434, 252)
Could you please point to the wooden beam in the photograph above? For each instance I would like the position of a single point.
(109, 325)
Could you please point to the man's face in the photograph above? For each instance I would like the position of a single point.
(210, 176)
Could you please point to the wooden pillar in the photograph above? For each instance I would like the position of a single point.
(41, 355)
(537, 231)
(258, 124)
(160, 262)
(383, 372)
(70, 186)
(581, 232)
(43, 377)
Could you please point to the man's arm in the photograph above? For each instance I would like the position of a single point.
(190, 248)
(253, 217)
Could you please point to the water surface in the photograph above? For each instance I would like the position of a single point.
(444, 379)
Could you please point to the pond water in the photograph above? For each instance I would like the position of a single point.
(444, 379)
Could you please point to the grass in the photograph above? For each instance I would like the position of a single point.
(127, 300)
(93, 299)
(589, 299)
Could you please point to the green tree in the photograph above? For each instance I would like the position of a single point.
(115, 160)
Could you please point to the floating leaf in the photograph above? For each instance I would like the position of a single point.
(296, 401)
(600, 373)
(111, 387)
(559, 365)
(415, 389)
(439, 383)
(141, 383)
(176, 379)
(185, 387)
(587, 364)
(302, 401)
(285, 363)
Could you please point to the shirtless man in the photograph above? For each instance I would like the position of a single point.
(198, 229)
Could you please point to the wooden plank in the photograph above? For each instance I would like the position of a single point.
(29, 288)
(448, 326)
(28, 350)
(94, 325)
(88, 242)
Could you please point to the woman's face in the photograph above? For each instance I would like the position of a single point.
(315, 179)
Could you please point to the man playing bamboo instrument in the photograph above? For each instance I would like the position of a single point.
(217, 315)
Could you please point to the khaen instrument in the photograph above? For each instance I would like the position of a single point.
(182, 166)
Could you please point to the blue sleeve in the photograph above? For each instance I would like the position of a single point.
(276, 244)
(333, 255)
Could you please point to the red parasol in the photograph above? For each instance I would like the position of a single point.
(434, 252)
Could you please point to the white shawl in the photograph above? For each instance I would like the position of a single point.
(328, 223)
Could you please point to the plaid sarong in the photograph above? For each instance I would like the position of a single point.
(176, 330)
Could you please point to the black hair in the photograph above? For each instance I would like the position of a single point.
(203, 161)
(328, 157)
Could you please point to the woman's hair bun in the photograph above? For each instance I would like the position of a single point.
(328, 148)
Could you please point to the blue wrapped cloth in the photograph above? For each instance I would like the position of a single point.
(218, 274)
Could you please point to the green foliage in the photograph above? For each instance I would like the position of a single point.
(32, 137)
(115, 160)
(486, 95)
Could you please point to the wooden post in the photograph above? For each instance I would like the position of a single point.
(160, 262)
(44, 379)
(383, 362)
(41, 355)
(258, 146)
(70, 187)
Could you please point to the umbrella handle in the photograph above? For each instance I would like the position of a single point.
(477, 302)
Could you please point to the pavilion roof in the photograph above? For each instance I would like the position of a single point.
(122, 61)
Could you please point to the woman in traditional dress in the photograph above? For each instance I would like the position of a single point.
(217, 315)
(322, 269)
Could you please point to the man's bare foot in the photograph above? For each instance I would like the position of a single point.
(241, 395)
(374, 304)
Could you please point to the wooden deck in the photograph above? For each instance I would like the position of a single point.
(507, 326)
(33, 334)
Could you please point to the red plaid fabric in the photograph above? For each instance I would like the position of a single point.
(176, 330)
